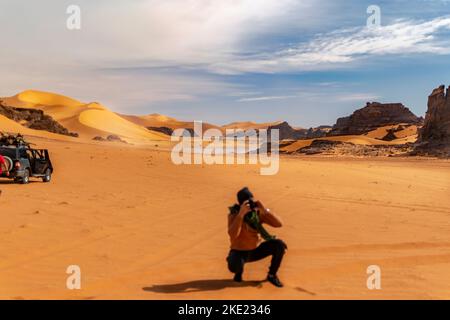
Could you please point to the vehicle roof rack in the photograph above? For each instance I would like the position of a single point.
(16, 140)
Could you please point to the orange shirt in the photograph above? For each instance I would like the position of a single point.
(245, 238)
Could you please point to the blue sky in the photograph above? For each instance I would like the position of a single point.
(304, 61)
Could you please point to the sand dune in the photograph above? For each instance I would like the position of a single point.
(410, 131)
(248, 125)
(88, 120)
(158, 120)
(32, 98)
(152, 120)
(159, 231)
(108, 121)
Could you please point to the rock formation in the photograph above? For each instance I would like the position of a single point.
(34, 119)
(372, 116)
(436, 129)
(110, 138)
(318, 132)
(286, 131)
(339, 148)
(390, 136)
(289, 133)
(165, 130)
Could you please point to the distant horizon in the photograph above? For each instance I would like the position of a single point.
(294, 125)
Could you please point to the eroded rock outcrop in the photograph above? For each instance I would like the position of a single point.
(289, 133)
(372, 116)
(34, 119)
(434, 137)
(436, 129)
(340, 148)
(166, 130)
(110, 138)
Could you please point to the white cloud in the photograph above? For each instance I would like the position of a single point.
(357, 97)
(316, 93)
(266, 98)
(194, 37)
(187, 35)
(212, 35)
(341, 47)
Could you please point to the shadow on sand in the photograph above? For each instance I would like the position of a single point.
(10, 181)
(200, 286)
(4, 181)
(305, 291)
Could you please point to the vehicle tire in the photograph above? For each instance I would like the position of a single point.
(26, 177)
(48, 176)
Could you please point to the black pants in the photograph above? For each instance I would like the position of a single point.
(275, 248)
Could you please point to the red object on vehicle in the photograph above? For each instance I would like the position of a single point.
(2, 163)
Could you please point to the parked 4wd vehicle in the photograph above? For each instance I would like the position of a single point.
(25, 162)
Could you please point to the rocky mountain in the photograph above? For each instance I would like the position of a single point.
(289, 133)
(34, 119)
(437, 120)
(319, 132)
(286, 131)
(434, 137)
(372, 116)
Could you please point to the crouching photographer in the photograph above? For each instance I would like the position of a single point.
(245, 228)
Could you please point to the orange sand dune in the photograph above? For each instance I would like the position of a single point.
(88, 120)
(410, 131)
(158, 120)
(248, 125)
(32, 98)
(158, 231)
(151, 120)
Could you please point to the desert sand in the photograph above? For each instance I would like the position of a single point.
(140, 227)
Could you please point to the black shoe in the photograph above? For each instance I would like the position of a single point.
(273, 279)
(238, 277)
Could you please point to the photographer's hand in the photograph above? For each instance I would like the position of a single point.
(245, 208)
